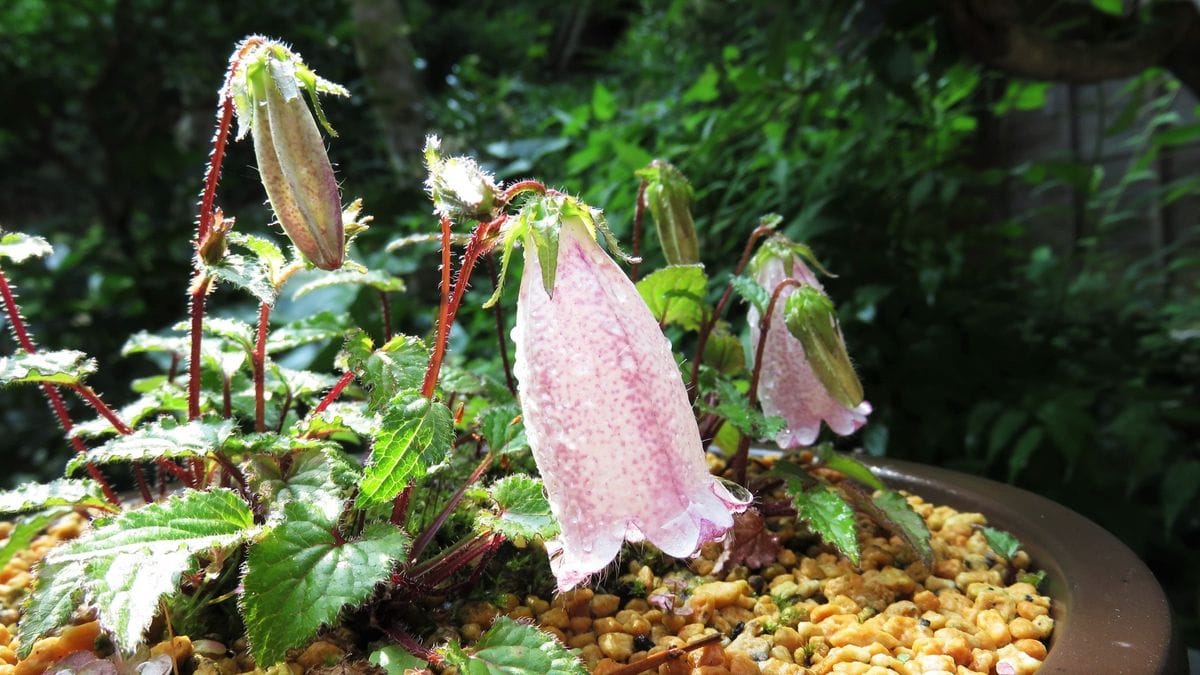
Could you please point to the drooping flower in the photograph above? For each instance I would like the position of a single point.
(803, 387)
(605, 408)
(291, 156)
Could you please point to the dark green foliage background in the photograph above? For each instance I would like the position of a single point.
(1070, 371)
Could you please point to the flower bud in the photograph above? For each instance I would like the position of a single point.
(215, 244)
(292, 161)
(460, 189)
(669, 196)
(806, 376)
(605, 408)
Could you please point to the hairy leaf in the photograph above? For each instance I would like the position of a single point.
(1003, 543)
(733, 407)
(513, 648)
(676, 295)
(827, 514)
(723, 351)
(266, 251)
(19, 247)
(315, 328)
(156, 441)
(247, 274)
(845, 464)
(502, 429)
(161, 397)
(416, 433)
(65, 366)
(343, 417)
(55, 596)
(522, 510)
(60, 492)
(25, 529)
(397, 366)
(890, 510)
(321, 476)
(299, 577)
(749, 542)
(143, 342)
(377, 279)
(749, 290)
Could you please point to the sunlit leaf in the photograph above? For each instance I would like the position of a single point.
(676, 295)
(157, 441)
(377, 279)
(19, 247)
(60, 492)
(58, 367)
(315, 328)
(521, 509)
(513, 648)
(416, 433)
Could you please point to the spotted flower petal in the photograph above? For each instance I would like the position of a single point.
(788, 386)
(607, 414)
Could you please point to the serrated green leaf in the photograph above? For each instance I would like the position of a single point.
(397, 366)
(143, 342)
(248, 274)
(160, 397)
(19, 247)
(300, 383)
(158, 440)
(56, 594)
(298, 578)
(522, 510)
(753, 294)
(321, 476)
(908, 524)
(734, 408)
(315, 328)
(377, 279)
(238, 332)
(343, 417)
(25, 529)
(827, 514)
(849, 466)
(502, 429)
(676, 295)
(1003, 543)
(136, 557)
(416, 433)
(513, 648)
(60, 492)
(395, 661)
(265, 250)
(723, 351)
(65, 366)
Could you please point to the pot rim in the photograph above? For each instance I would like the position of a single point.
(1111, 615)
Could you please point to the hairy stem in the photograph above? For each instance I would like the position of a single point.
(443, 329)
(430, 532)
(386, 310)
(333, 394)
(412, 645)
(89, 395)
(196, 330)
(501, 340)
(143, 487)
(260, 358)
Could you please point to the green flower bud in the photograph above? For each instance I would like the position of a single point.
(669, 196)
(292, 162)
(460, 189)
(811, 319)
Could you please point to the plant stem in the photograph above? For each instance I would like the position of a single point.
(260, 357)
(56, 402)
(719, 310)
(386, 310)
(450, 305)
(333, 394)
(400, 506)
(413, 646)
(226, 398)
(764, 326)
(140, 477)
(639, 212)
(501, 340)
(427, 536)
(195, 330)
(443, 330)
(522, 186)
(88, 394)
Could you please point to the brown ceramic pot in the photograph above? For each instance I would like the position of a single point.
(1111, 616)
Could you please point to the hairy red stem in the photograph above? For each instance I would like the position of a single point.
(196, 329)
(260, 358)
(333, 394)
(412, 645)
(443, 328)
(427, 536)
(88, 394)
(386, 307)
(143, 487)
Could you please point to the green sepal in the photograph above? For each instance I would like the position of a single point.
(510, 647)
(779, 247)
(811, 319)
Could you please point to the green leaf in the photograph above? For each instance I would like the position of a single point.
(905, 523)
(1003, 543)
(321, 476)
(315, 328)
(513, 648)
(704, 89)
(299, 577)
(849, 466)
(522, 510)
(160, 397)
(827, 514)
(138, 556)
(676, 295)
(269, 255)
(60, 492)
(247, 274)
(1114, 7)
(734, 408)
(65, 366)
(19, 247)
(502, 429)
(604, 106)
(416, 433)
(25, 529)
(395, 661)
(397, 366)
(143, 342)
(377, 279)
(1034, 579)
(55, 596)
(157, 441)
(1179, 487)
(1023, 450)
(749, 290)
(238, 332)
(723, 351)
(342, 417)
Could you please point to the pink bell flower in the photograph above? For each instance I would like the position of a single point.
(788, 385)
(605, 408)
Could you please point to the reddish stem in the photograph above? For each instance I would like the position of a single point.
(400, 506)
(143, 486)
(443, 329)
(260, 358)
(52, 395)
(226, 398)
(88, 394)
(333, 394)
(386, 308)
(412, 645)
(523, 186)
(639, 212)
(199, 291)
(764, 326)
(174, 469)
(427, 536)
(719, 310)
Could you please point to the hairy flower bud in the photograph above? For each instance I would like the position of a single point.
(605, 408)
(460, 189)
(669, 196)
(806, 375)
(292, 162)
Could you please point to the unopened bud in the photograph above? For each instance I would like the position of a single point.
(292, 161)
(215, 244)
(811, 319)
(669, 196)
(459, 187)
